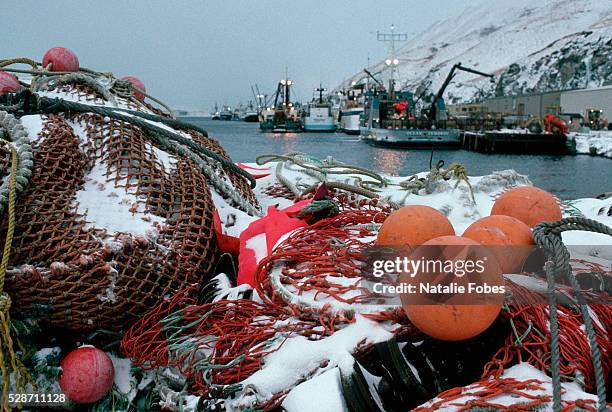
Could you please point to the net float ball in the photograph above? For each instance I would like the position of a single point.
(61, 59)
(8, 83)
(87, 374)
(528, 204)
(452, 316)
(413, 226)
(511, 240)
(138, 84)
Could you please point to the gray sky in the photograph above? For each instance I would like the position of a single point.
(193, 53)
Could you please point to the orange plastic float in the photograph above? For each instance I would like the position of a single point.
(528, 204)
(512, 235)
(413, 226)
(454, 322)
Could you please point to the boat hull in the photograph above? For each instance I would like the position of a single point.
(412, 138)
(318, 119)
(285, 127)
(319, 127)
(251, 118)
(349, 121)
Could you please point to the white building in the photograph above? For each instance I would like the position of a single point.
(578, 101)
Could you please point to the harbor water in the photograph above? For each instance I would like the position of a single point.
(569, 177)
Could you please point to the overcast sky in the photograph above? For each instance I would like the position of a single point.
(193, 53)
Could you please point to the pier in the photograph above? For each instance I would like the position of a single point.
(526, 143)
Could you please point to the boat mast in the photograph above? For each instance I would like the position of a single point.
(287, 84)
(320, 89)
(392, 61)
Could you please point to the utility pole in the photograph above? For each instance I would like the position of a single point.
(392, 61)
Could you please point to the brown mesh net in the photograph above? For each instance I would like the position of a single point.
(64, 268)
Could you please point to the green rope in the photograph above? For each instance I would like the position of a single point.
(57, 105)
(548, 236)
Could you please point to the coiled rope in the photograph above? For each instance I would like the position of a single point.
(321, 169)
(165, 137)
(51, 82)
(414, 184)
(548, 236)
(15, 183)
(124, 88)
(12, 130)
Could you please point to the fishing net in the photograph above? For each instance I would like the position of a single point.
(530, 337)
(318, 268)
(66, 265)
(225, 341)
(216, 343)
(310, 286)
(503, 394)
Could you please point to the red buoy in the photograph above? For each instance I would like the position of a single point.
(61, 59)
(413, 226)
(87, 374)
(8, 83)
(528, 204)
(138, 84)
(509, 237)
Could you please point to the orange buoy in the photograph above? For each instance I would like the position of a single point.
(454, 322)
(528, 204)
(413, 226)
(511, 235)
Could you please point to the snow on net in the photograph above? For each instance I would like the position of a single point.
(110, 224)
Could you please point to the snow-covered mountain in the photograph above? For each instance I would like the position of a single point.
(530, 45)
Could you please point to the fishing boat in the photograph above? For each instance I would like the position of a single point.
(216, 115)
(250, 115)
(318, 117)
(351, 110)
(226, 113)
(389, 121)
(283, 116)
(389, 117)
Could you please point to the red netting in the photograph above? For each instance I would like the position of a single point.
(318, 259)
(277, 190)
(526, 395)
(531, 342)
(236, 334)
(216, 343)
(316, 262)
(74, 274)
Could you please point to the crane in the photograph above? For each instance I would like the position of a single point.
(378, 82)
(433, 110)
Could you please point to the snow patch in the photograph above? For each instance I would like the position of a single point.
(112, 209)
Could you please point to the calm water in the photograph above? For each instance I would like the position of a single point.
(566, 176)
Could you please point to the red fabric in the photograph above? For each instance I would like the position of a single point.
(400, 106)
(228, 244)
(255, 175)
(275, 225)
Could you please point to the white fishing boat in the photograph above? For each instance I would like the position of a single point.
(351, 110)
(349, 119)
(318, 117)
